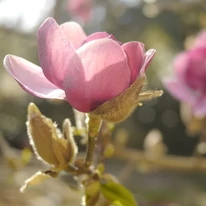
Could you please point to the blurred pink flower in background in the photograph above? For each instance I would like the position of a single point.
(84, 70)
(81, 8)
(189, 83)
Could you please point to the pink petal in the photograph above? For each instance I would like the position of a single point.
(180, 65)
(74, 32)
(106, 75)
(195, 72)
(147, 59)
(135, 57)
(31, 78)
(56, 53)
(180, 91)
(97, 35)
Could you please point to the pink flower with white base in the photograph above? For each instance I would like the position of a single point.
(189, 83)
(84, 70)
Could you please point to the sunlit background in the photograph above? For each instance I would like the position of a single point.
(168, 26)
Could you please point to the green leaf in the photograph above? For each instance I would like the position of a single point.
(117, 194)
(92, 191)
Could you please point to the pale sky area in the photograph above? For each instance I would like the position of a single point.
(24, 13)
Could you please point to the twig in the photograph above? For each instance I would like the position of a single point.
(93, 124)
(166, 162)
(90, 150)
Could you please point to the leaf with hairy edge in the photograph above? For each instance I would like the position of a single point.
(117, 194)
(38, 178)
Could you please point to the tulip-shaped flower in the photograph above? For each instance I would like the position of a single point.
(189, 83)
(86, 71)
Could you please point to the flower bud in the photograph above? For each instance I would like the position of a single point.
(47, 141)
(41, 133)
(49, 145)
(68, 135)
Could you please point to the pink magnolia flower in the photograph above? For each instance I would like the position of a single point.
(189, 83)
(84, 70)
(81, 8)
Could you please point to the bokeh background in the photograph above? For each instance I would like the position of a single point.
(165, 25)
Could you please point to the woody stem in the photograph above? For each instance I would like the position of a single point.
(93, 125)
(90, 150)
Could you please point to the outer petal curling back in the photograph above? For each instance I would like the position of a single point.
(31, 78)
(135, 57)
(147, 59)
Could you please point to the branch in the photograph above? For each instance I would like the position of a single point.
(166, 162)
